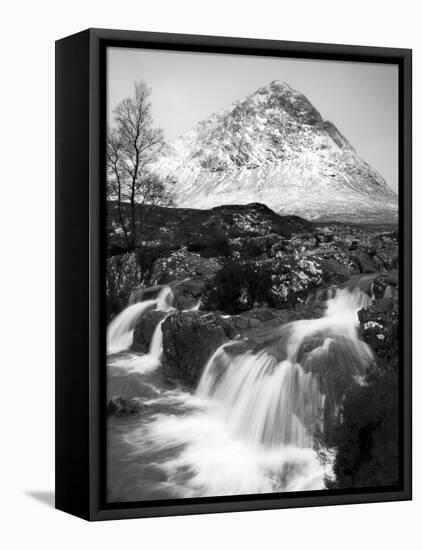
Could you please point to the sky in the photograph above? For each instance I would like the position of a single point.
(361, 99)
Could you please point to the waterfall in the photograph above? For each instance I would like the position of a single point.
(165, 299)
(249, 426)
(120, 330)
(156, 345)
(273, 397)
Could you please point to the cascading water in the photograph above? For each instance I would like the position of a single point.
(249, 426)
(263, 401)
(273, 397)
(120, 330)
(156, 345)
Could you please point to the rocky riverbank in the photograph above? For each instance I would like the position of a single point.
(243, 270)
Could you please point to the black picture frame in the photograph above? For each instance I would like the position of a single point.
(80, 271)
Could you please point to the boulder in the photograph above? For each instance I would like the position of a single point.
(182, 264)
(189, 340)
(187, 292)
(335, 271)
(292, 279)
(251, 247)
(386, 284)
(365, 262)
(191, 337)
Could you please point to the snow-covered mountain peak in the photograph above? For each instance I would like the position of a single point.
(274, 147)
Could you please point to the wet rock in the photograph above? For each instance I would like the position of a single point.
(145, 328)
(191, 337)
(145, 293)
(188, 292)
(189, 340)
(335, 271)
(120, 406)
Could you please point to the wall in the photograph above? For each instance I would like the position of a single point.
(27, 135)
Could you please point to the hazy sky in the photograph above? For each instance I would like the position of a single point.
(361, 99)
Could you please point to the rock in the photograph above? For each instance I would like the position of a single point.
(250, 247)
(335, 270)
(300, 243)
(293, 278)
(189, 340)
(263, 314)
(279, 248)
(386, 284)
(385, 247)
(379, 327)
(120, 406)
(282, 283)
(188, 292)
(365, 262)
(183, 264)
(191, 337)
(145, 328)
(255, 219)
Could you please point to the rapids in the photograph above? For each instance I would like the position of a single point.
(249, 426)
(273, 397)
(120, 330)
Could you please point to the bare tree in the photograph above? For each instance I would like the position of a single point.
(132, 146)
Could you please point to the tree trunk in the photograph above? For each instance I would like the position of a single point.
(121, 219)
(122, 223)
(133, 222)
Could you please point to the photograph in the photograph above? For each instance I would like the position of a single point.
(252, 275)
(209, 252)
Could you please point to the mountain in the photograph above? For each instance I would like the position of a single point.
(275, 148)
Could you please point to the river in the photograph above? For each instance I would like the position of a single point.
(248, 427)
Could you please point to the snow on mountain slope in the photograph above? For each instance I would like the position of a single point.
(274, 148)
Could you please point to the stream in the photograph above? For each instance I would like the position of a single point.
(248, 427)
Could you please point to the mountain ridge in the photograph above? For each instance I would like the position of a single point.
(274, 147)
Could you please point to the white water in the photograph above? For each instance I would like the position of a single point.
(156, 344)
(263, 401)
(120, 330)
(201, 457)
(249, 427)
(272, 397)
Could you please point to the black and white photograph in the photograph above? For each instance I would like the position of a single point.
(252, 275)
(209, 251)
